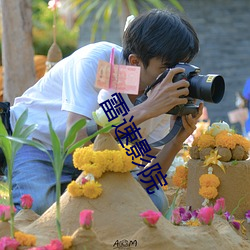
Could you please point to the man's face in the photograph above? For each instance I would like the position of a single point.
(148, 75)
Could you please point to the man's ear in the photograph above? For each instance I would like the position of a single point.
(134, 60)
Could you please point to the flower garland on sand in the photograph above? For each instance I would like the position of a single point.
(222, 142)
(180, 177)
(94, 164)
(208, 186)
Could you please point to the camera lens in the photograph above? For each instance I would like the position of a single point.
(209, 88)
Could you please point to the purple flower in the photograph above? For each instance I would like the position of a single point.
(236, 224)
(195, 214)
(248, 216)
(228, 216)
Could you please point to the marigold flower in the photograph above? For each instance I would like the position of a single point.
(92, 189)
(98, 162)
(209, 180)
(226, 140)
(206, 215)
(195, 141)
(26, 201)
(8, 243)
(219, 206)
(208, 192)
(242, 141)
(206, 141)
(75, 189)
(94, 169)
(82, 156)
(67, 242)
(24, 239)
(150, 217)
(86, 218)
(180, 177)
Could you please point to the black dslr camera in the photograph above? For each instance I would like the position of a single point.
(209, 88)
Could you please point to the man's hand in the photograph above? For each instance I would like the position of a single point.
(188, 125)
(167, 94)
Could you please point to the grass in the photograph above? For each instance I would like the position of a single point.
(4, 193)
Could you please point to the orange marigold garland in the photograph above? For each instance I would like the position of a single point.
(208, 186)
(180, 177)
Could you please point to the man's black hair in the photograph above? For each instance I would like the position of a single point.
(161, 34)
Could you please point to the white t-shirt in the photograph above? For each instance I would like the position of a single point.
(68, 86)
(153, 129)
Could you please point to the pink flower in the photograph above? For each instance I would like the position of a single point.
(84, 180)
(54, 4)
(26, 201)
(219, 206)
(86, 218)
(39, 248)
(8, 243)
(55, 245)
(150, 217)
(5, 212)
(206, 215)
(176, 217)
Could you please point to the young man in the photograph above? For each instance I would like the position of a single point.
(154, 41)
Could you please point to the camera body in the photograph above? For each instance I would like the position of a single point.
(209, 88)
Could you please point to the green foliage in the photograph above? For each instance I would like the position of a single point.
(9, 149)
(42, 19)
(4, 193)
(101, 11)
(60, 152)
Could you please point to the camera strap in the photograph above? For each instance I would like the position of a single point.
(173, 132)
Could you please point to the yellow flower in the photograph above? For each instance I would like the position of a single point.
(242, 141)
(226, 140)
(67, 242)
(98, 162)
(27, 240)
(195, 141)
(75, 189)
(213, 158)
(94, 169)
(82, 156)
(206, 141)
(92, 189)
(209, 180)
(208, 192)
(180, 177)
(193, 223)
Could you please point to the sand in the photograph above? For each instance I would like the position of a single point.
(117, 224)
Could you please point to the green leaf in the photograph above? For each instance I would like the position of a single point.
(71, 136)
(5, 144)
(24, 134)
(85, 140)
(172, 207)
(20, 123)
(32, 143)
(56, 147)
